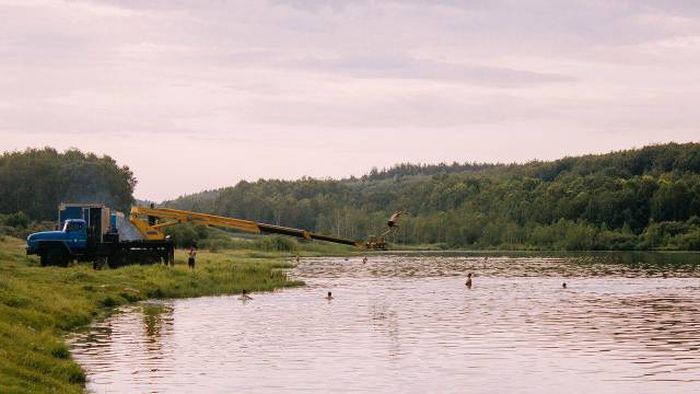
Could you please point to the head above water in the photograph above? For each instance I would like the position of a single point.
(563, 285)
(330, 294)
(469, 275)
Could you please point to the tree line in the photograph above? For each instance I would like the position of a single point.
(642, 199)
(646, 198)
(35, 181)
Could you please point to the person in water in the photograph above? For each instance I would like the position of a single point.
(244, 296)
(364, 260)
(469, 280)
(329, 296)
(563, 285)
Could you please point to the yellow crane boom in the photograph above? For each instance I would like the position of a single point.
(150, 222)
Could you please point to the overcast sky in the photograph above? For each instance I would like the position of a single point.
(196, 95)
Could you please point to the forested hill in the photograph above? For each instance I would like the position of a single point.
(636, 199)
(35, 181)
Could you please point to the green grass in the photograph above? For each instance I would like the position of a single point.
(40, 305)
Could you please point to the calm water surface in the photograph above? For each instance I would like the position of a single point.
(408, 324)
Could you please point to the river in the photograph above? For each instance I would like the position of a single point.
(407, 323)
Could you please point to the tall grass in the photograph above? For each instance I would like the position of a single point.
(39, 305)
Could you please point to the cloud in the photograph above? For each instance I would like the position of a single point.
(395, 66)
(341, 80)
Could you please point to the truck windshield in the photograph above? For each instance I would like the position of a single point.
(72, 226)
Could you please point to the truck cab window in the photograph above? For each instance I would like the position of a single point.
(71, 227)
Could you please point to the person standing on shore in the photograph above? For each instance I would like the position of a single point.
(191, 256)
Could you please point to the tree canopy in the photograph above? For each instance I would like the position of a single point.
(35, 181)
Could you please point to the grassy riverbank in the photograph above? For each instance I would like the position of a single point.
(38, 306)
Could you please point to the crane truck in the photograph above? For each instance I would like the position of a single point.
(91, 232)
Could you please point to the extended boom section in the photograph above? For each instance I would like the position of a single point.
(150, 221)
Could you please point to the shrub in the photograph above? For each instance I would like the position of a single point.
(18, 220)
(108, 302)
(277, 244)
(688, 241)
(186, 235)
(614, 240)
(61, 352)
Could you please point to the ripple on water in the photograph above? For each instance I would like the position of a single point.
(408, 324)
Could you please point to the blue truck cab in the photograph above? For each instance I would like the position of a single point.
(73, 237)
(85, 227)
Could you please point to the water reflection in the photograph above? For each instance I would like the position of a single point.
(408, 324)
(386, 322)
(136, 335)
(157, 325)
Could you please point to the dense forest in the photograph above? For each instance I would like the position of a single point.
(647, 198)
(35, 181)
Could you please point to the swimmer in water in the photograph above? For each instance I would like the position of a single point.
(364, 260)
(563, 285)
(244, 296)
(469, 280)
(329, 296)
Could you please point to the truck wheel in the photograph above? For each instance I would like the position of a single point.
(57, 257)
(117, 259)
(43, 259)
(99, 263)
